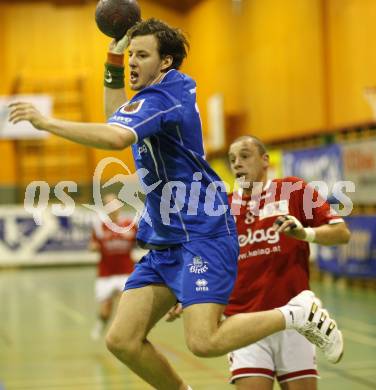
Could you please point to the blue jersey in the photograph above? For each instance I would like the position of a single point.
(185, 199)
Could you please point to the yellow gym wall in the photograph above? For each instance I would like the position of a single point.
(2, 47)
(352, 60)
(214, 59)
(291, 66)
(7, 153)
(267, 61)
(283, 67)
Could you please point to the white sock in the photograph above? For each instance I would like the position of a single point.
(289, 316)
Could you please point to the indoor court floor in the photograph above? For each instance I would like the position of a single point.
(47, 315)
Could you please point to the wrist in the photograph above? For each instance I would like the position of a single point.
(287, 319)
(46, 124)
(116, 59)
(310, 234)
(113, 76)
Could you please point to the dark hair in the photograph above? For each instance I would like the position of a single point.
(171, 41)
(259, 144)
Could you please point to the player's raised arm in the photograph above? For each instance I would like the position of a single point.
(114, 92)
(114, 18)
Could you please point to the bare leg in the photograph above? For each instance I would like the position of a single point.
(254, 383)
(138, 311)
(300, 384)
(208, 336)
(260, 383)
(105, 309)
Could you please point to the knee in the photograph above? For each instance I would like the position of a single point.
(121, 347)
(114, 343)
(201, 347)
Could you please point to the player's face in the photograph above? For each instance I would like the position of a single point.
(146, 66)
(247, 161)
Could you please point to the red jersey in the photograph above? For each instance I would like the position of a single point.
(272, 267)
(115, 249)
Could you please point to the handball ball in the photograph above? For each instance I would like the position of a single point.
(115, 17)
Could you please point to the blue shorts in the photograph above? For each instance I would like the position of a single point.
(200, 271)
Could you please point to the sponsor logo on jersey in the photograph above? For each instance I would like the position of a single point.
(260, 252)
(132, 108)
(198, 265)
(269, 235)
(142, 149)
(273, 209)
(121, 119)
(249, 218)
(202, 285)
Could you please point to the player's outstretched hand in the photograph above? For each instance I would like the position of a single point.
(119, 47)
(27, 112)
(174, 313)
(291, 226)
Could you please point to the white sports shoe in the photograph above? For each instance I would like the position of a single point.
(305, 314)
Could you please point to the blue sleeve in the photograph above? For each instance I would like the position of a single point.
(145, 115)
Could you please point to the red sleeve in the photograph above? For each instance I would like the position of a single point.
(316, 210)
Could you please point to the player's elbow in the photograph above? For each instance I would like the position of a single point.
(345, 235)
(118, 143)
(121, 138)
(342, 234)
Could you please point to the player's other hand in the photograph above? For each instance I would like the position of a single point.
(289, 225)
(119, 47)
(27, 112)
(174, 313)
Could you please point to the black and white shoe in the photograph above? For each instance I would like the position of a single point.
(305, 314)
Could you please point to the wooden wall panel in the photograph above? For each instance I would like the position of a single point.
(214, 60)
(267, 60)
(282, 49)
(352, 31)
(8, 163)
